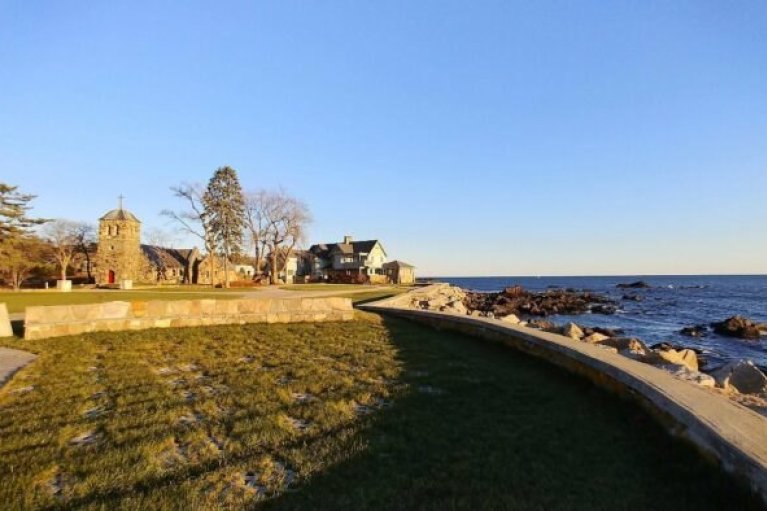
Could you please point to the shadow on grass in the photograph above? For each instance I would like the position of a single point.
(483, 427)
(17, 326)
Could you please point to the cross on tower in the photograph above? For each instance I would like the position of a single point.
(121, 197)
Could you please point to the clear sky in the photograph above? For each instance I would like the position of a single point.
(472, 137)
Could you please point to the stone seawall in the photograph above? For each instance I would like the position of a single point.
(55, 321)
(731, 434)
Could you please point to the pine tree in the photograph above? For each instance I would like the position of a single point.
(13, 213)
(20, 251)
(225, 212)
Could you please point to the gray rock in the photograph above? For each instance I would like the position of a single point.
(511, 319)
(573, 331)
(743, 376)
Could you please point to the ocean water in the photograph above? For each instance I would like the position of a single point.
(671, 303)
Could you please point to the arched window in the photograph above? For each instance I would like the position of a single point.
(117, 230)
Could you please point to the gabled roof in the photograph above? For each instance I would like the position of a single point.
(120, 214)
(168, 257)
(397, 264)
(354, 247)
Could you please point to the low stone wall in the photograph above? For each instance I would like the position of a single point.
(5, 322)
(60, 320)
(730, 433)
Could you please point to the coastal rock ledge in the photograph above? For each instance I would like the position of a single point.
(738, 326)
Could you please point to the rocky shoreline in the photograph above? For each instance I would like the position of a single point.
(740, 380)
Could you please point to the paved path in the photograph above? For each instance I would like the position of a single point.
(11, 361)
(276, 292)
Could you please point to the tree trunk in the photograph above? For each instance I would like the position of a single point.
(226, 266)
(256, 261)
(88, 266)
(274, 266)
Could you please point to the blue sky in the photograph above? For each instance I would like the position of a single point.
(472, 138)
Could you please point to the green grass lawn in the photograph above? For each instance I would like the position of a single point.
(17, 302)
(368, 414)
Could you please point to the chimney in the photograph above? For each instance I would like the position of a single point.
(347, 239)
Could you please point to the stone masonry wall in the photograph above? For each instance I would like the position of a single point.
(60, 320)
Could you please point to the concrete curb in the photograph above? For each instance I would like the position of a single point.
(725, 431)
(11, 361)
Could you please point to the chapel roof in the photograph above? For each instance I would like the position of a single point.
(120, 214)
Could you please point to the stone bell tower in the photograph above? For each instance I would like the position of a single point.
(119, 252)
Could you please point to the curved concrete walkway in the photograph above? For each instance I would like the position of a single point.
(275, 292)
(11, 361)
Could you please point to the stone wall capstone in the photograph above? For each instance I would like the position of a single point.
(5, 322)
(55, 321)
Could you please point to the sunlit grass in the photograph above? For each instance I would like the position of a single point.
(367, 414)
(18, 301)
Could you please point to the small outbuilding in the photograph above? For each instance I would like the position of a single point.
(400, 272)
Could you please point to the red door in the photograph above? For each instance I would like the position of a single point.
(111, 277)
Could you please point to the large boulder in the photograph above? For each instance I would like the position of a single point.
(696, 377)
(542, 324)
(686, 358)
(437, 302)
(595, 338)
(456, 307)
(511, 319)
(738, 326)
(628, 346)
(572, 331)
(743, 376)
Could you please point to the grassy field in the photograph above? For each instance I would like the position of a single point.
(368, 414)
(17, 302)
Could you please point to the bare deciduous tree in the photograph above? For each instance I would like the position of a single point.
(85, 234)
(157, 237)
(286, 219)
(257, 224)
(195, 220)
(62, 236)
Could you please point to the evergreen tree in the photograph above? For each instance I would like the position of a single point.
(20, 251)
(13, 213)
(225, 212)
